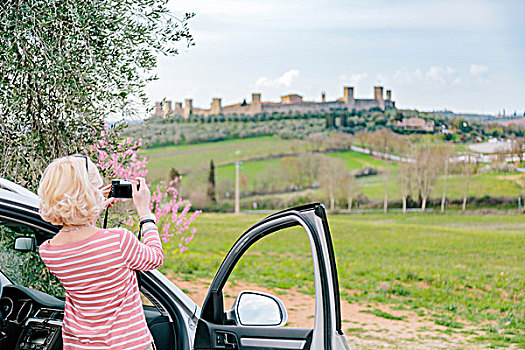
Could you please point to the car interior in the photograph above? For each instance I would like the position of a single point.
(31, 319)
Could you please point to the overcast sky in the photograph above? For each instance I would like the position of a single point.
(466, 56)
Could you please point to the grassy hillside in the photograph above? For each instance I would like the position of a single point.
(496, 185)
(187, 158)
(267, 175)
(356, 160)
(461, 271)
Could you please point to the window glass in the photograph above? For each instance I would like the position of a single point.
(281, 265)
(25, 268)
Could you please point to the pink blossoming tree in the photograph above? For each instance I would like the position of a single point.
(118, 158)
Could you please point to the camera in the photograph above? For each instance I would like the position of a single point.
(122, 189)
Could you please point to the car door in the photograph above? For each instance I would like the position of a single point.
(219, 329)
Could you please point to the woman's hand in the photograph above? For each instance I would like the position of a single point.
(105, 190)
(141, 197)
(109, 201)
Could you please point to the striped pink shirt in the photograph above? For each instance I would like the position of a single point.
(103, 307)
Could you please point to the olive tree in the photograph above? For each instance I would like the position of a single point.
(66, 65)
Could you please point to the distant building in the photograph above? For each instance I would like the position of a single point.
(415, 124)
(292, 103)
(292, 98)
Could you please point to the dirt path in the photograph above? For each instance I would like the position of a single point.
(363, 330)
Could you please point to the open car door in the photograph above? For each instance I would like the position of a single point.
(256, 318)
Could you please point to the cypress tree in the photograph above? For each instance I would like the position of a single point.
(211, 183)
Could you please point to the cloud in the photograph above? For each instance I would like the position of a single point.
(354, 79)
(284, 80)
(381, 79)
(443, 75)
(479, 72)
(405, 76)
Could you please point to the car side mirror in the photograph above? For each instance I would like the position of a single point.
(258, 309)
(25, 244)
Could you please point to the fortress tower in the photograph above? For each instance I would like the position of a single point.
(378, 96)
(348, 97)
(158, 109)
(188, 108)
(167, 108)
(216, 106)
(389, 95)
(256, 105)
(178, 108)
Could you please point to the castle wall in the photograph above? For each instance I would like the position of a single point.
(366, 104)
(288, 107)
(201, 111)
(302, 107)
(236, 109)
(358, 105)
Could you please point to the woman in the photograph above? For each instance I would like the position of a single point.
(103, 308)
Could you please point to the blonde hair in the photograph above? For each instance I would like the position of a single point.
(70, 194)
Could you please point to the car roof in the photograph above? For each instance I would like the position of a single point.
(16, 194)
(13, 187)
(21, 206)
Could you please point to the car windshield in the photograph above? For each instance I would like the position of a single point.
(25, 268)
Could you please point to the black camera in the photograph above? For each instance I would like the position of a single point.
(121, 189)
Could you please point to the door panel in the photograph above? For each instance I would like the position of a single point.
(160, 327)
(326, 333)
(211, 336)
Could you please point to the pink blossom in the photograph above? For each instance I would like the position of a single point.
(118, 157)
(128, 222)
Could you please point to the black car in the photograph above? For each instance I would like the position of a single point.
(31, 319)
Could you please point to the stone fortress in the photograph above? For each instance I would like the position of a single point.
(289, 104)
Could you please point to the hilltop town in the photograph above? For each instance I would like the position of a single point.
(289, 104)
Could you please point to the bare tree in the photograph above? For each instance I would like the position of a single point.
(340, 141)
(468, 169)
(517, 148)
(426, 172)
(353, 189)
(310, 164)
(444, 196)
(301, 171)
(332, 179)
(362, 138)
(386, 177)
(444, 154)
(405, 180)
(316, 141)
(292, 171)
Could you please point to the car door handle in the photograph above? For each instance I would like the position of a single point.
(230, 344)
(225, 340)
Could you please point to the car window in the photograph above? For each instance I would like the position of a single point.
(25, 268)
(281, 265)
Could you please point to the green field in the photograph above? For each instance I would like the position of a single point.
(355, 160)
(189, 158)
(455, 270)
(495, 185)
(267, 175)
(254, 172)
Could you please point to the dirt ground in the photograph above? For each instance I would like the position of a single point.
(362, 330)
